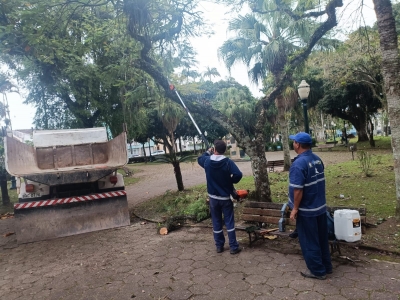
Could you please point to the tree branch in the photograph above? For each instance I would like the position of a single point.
(303, 54)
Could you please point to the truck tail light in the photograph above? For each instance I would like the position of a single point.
(29, 188)
(113, 179)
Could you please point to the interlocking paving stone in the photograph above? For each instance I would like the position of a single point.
(309, 296)
(134, 262)
(384, 296)
(354, 293)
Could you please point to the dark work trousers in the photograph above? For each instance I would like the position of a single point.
(225, 207)
(313, 238)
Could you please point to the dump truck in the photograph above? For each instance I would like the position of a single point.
(67, 182)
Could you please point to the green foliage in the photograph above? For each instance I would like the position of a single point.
(376, 193)
(365, 160)
(189, 203)
(273, 146)
(199, 209)
(72, 59)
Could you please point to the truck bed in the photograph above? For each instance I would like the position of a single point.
(27, 161)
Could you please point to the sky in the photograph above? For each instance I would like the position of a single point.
(207, 48)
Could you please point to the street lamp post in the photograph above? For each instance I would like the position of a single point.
(304, 91)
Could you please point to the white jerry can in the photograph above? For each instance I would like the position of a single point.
(347, 225)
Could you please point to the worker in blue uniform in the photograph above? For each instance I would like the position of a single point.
(221, 174)
(307, 200)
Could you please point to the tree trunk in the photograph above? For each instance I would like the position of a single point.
(256, 151)
(284, 132)
(371, 134)
(144, 153)
(172, 136)
(362, 135)
(178, 175)
(286, 148)
(280, 103)
(390, 71)
(4, 190)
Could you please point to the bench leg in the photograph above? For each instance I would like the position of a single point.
(255, 237)
(335, 247)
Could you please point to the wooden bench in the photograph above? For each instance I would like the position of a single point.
(325, 146)
(271, 164)
(263, 212)
(270, 213)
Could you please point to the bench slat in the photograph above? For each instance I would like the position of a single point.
(271, 164)
(268, 205)
(263, 212)
(266, 219)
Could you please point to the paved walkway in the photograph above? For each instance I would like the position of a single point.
(134, 262)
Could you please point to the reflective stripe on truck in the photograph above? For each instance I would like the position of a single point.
(53, 202)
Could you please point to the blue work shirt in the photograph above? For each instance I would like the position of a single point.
(221, 174)
(307, 173)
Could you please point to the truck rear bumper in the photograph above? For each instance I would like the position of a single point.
(49, 219)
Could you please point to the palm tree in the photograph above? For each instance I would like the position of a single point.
(239, 105)
(170, 115)
(262, 44)
(211, 72)
(270, 41)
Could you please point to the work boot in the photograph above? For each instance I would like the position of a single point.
(236, 251)
(220, 249)
(294, 234)
(307, 273)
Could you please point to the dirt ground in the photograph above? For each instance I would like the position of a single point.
(156, 179)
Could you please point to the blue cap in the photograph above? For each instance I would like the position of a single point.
(301, 138)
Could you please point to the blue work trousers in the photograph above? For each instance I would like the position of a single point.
(313, 238)
(225, 207)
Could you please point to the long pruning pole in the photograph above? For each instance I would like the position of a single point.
(172, 88)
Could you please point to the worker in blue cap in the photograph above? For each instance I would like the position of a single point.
(308, 203)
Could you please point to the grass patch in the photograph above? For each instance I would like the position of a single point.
(375, 192)
(128, 179)
(190, 202)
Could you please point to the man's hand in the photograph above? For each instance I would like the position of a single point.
(293, 214)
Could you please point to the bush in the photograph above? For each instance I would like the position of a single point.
(314, 142)
(199, 209)
(268, 146)
(365, 162)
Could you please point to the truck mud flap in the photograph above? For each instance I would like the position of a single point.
(39, 221)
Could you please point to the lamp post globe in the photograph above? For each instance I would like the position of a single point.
(304, 90)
